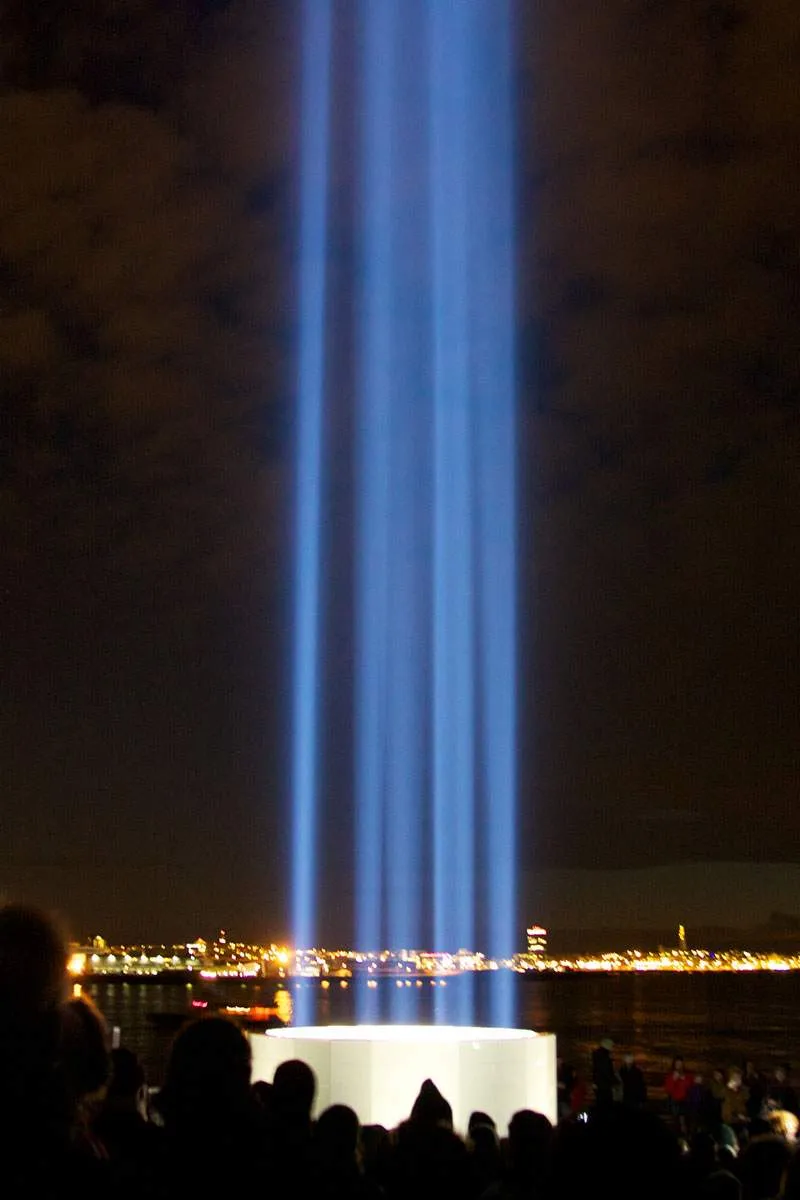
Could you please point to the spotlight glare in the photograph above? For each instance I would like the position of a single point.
(434, 481)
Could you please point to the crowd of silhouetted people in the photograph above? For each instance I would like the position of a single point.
(78, 1119)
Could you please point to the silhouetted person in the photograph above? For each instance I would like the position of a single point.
(429, 1160)
(721, 1185)
(211, 1116)
(566, 1079)
(339, 1175)
(430, 1107)
(46, 1064)
(528, 1157)
(699, 1103)
(780, 1093)
(85, 1053)
(133, 1144)
(761, 1166)
(785, 1124)
(678, 1084)
(700, 1162)
(477, 1117)
(294, 1086)
(790, 1189)
(715, 1100)
(376, 1153)
(33, 961)
(627, 1154)
(263, 1094)
(293, 1089)
(734, 1104)
(634, 1087)
(604, 1076)
(486, 1160)
(756, 1091)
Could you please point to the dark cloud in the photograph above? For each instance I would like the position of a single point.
(138, 322)
(143, 380)
(135, 51)
(147, 333)
(662, 426)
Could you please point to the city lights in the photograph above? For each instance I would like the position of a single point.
(404, 968)
(76, 964)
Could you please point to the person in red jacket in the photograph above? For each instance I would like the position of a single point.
(677, 1085)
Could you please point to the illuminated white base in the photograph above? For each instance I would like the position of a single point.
(378, 1069)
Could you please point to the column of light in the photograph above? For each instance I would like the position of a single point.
(453, 575)
(409, 637)
(373, 474)
(309, 471)
(493, 299)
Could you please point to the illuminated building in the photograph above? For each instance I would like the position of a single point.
(247, 960)
(536, 941)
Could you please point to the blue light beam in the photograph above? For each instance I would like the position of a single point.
(454, 502)
(435, 619)
(309, 474)
(494, 385)
(373, 467)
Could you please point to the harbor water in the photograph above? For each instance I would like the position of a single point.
(712, 1020)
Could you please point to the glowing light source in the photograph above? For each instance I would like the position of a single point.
(378, 1070)
(311, 385)
(434, 608)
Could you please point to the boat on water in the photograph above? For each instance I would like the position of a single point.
(255, 1017)
(210, 1001)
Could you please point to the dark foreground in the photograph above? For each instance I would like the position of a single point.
(76, 1119)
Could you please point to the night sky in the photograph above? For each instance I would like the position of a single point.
(147, 345)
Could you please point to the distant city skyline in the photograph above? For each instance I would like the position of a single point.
(651, 900)
(224, 958)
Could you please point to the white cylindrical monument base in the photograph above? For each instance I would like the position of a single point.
(378, 1069)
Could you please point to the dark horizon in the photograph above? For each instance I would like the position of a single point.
(572, 904)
